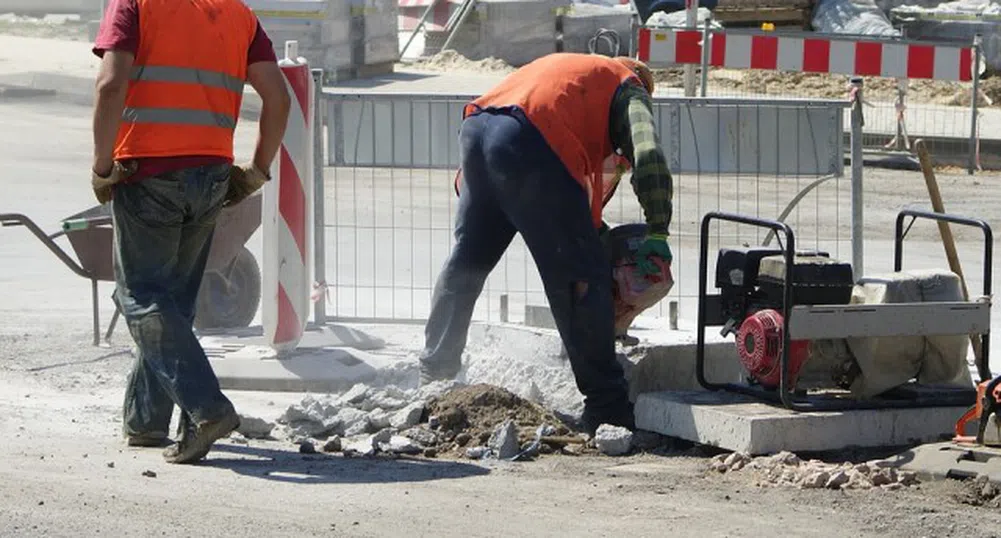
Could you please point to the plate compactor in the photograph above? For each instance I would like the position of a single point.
(883, 341)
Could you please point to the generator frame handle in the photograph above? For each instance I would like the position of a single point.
(787, 287)
(983, 367)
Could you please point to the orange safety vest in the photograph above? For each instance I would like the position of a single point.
(568, 98)
(187, 82)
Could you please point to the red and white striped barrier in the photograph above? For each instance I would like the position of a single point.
(767, 50)
(287, 215)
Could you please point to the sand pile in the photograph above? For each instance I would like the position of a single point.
(787, 469)
(449, 60)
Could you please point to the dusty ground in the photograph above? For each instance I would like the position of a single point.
(67, 473)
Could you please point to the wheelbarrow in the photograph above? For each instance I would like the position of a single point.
(231, 288)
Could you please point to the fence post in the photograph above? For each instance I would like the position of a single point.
(858, 225)
(706, 39)
(319, 206)
(692, 16)
(973, 107)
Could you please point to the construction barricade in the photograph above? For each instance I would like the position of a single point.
(287, 217)
(897, 71)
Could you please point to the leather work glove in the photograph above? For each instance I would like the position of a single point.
(103, 186)
(244, 180)
(653, 245)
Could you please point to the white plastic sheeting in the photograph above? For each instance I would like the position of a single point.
(959, 7)
(951, 21)
(854, 17)
(680, 19)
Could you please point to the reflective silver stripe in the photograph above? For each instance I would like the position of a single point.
(161, 73)
(178, 116)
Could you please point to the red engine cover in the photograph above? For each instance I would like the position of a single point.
(759, 345)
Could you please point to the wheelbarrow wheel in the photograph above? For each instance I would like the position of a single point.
(229, 297)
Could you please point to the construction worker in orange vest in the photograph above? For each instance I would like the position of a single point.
(534, 150)
(167, 101)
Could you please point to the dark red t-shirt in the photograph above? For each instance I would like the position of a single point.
(120, 31)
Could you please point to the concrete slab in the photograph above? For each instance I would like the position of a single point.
(325, 336)
(329, 359)
(939, 461)
(741, 424)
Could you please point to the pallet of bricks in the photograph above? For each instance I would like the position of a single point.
(753, 13)
(346, 38)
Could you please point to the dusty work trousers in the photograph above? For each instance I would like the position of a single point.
(163, 231)
(513, 182)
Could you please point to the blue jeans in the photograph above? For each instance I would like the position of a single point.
(513, 182)
(163, 230)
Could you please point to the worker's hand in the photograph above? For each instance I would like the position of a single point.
(244, 180)
(654, 245)
(103, 185)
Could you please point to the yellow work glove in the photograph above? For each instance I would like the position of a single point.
(244, 180)
(103, 186)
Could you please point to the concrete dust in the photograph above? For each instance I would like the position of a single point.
(543, 380)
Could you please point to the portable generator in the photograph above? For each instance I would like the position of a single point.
(751, 283)
(895, 339)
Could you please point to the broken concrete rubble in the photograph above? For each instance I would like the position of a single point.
(255, 428)
(332, 445)
(613, 440)
(408, 416)
(787, 469)
(399, 444)
(504, 441)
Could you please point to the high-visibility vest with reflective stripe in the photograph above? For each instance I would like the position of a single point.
(187, 83)
(568, 98)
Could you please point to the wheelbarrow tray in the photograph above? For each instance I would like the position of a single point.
(91, 235)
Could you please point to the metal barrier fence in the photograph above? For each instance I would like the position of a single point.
(389, 200)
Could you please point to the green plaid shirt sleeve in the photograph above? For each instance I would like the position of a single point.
(633, 132)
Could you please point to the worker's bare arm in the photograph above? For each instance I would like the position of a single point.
(634, 132)
(269, 82)
(109, 102)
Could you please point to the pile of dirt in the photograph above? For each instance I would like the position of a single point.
(787, 469)
(981, 492)
(450, 60)
(468, 416)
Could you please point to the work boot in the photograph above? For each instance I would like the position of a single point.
(195, 442)
(622, 415)
(148, 440)
(429, 373)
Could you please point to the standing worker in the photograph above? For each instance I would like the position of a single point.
(533, 155)
(167, 100)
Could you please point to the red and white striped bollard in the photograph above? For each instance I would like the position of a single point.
(287, 215)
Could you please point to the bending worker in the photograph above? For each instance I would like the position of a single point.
(167, 102)
(533, 153)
